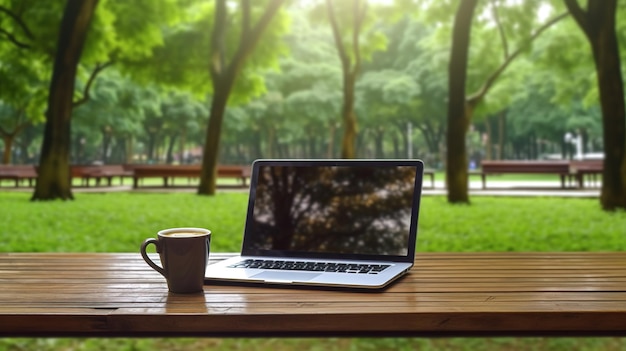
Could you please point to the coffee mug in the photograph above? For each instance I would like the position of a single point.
(184, 254)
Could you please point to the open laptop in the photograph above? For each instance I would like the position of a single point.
(327, 223)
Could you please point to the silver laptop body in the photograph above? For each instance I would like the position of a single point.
(327, 223)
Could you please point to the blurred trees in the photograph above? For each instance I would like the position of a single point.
(234, 37)
(598, 22)
(507, 26)
(148, 89)
(53, 173)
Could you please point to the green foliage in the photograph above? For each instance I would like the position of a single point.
(41, 25)
(408, 83)
(533, 112)
(183, 60)
(129, 30)
(25, 63)
(288, 95)
(565, 56)
(351, 14)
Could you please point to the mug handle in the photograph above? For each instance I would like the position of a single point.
(147, 259)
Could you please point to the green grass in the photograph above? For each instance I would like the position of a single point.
(116, 222)
(119, 222)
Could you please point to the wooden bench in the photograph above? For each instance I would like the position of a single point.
(82, 172)
(169, 172)
(586, 169)
(445, 294)
(430, 174)
(18, 173)
(107, 172)
(560, 168)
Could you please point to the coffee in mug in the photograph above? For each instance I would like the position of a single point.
(184, 254)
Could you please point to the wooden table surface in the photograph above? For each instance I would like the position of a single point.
(446, 294)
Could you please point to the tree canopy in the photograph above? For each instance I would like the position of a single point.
(227, 81)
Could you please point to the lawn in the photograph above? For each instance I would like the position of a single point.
(118, 222)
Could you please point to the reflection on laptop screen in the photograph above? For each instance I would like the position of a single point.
(332, 209)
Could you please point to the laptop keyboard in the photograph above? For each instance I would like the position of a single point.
(311, 266)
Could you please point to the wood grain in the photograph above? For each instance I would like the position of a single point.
(447, 294)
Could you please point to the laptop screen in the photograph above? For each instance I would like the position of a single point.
(346, 208)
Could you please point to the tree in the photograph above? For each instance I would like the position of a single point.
(456, 163)
(356, 39)
(404, 87)
(350, 65)
(23, 66)
(120, 31)
(300, 107)
(182, 113)
(224, 67)
(112, 119)
(598, 24)
(460, 112)
(385, 99)
(18, 120)
(310, 81)
(53, 180)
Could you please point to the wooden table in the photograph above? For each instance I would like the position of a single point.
(481, 294)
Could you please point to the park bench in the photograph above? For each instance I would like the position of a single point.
(560, 168)
(82, 172)
(586, 169)
(107, 172)
(430, 174)
(445, 294)
(169, 172)
(18, 173)
(85, 173)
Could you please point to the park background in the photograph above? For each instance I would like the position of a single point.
(146, 84)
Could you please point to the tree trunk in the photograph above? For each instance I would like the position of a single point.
(8, 146)
(151, 147)
(379, 134)
(404, 140)
(271, 142)
(460, 111)
(223, 76)
(129, 149)
(456, 165)
(350, 65)
(332, 127)
(312, 145)
(489, 134)
(348, 143)
(169, 158)
(208, 179)
(501, 138)
(53, 179)
(182, 141)
(608, 70)
(396, 145)
(9, 138)
(598, 23)
(106, 145)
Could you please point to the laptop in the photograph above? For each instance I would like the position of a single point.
(327, 223)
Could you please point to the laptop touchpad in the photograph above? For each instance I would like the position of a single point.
(285, 276)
